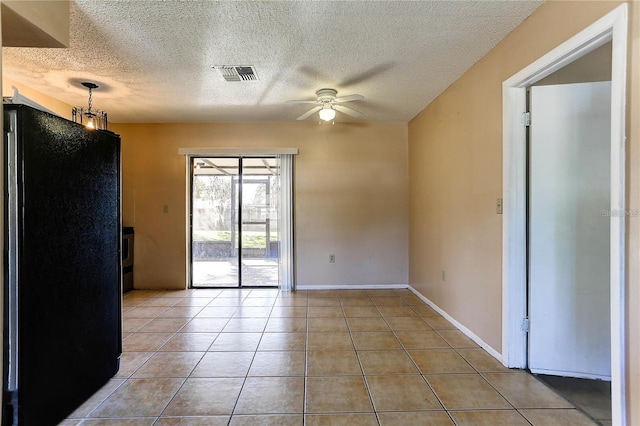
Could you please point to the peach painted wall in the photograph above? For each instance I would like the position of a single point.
(61, 108)
(455, 177)
(350, 194)
(35, 23)
(350, 197)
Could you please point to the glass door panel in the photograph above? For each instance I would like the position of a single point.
(259, 256)
(214, 222)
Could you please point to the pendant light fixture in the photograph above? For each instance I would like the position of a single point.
(91, 118)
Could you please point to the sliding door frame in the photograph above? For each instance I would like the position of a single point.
(194, 153)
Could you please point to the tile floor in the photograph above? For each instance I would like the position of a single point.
(353, 357)
(592, 396)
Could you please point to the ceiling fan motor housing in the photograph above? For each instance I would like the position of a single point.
(326, 95)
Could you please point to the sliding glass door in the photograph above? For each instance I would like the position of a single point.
(259, 212)
(234, 222)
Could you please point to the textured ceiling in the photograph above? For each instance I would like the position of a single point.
(153, 59)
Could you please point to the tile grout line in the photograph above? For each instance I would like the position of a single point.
(364, 376)
(476, 372)
(306, 361)
(244, 381)
(173, 335)
(418, 368)
(449, 415)
(127, 379)
(575, 406)
(184, 381)
(306, 350)
(253, 359)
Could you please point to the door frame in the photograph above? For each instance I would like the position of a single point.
(237, 181)
(190, 153)
(611, 27)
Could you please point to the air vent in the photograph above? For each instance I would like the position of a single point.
(237, 72)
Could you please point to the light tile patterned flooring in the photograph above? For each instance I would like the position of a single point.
(264, 357)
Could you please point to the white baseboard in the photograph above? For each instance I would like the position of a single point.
(352, 287)
(470, 334)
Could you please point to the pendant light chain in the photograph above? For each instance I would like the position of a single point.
(90, 98)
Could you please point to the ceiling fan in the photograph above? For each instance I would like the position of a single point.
(327, 105)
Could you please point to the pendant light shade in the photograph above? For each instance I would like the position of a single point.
(91, 118)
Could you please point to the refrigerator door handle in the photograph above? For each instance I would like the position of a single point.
(12, 255)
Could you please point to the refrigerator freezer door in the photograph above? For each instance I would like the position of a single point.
(67, 266)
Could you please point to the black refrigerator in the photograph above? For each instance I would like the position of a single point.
(62, 264)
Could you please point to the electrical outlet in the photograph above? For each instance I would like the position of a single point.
(165, 209)
(499, 206)
(444, 275)
(332, 258)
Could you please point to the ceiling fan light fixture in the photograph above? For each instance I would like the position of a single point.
(327, 113)
(327, 104)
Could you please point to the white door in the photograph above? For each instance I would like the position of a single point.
(569, 198)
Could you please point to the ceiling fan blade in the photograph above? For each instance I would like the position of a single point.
(309, 113)
(302, 101)
(348, 111)
(348, 98)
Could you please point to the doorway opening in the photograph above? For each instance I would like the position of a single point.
(610, 28)
(235, 222)
(568, 239)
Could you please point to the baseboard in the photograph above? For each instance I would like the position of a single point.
(470, 334)
(352, 287)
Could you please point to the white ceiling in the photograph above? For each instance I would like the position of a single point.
(153, 59)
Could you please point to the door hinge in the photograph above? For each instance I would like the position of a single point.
(525, 325)
(526, 119)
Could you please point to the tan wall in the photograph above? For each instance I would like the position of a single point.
(594, 66)
(455, 176)
(351, 194)
(350, 197)
(61, 108)
(35, 23)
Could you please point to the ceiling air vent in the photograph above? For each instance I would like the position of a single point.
(237, 72)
